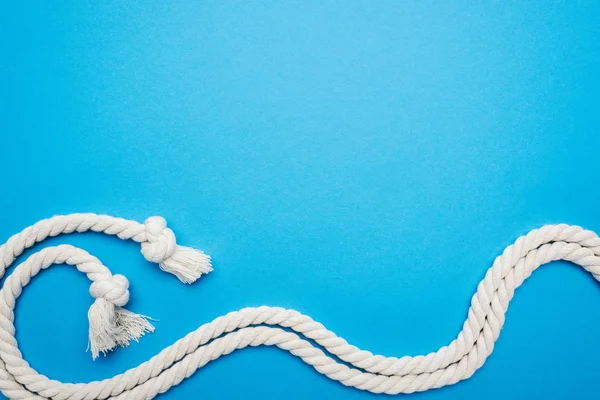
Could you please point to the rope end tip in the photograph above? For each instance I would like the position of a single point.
(132, 326)
(112, 327)
(187, 264)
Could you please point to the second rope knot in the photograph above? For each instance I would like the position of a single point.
(115, 289)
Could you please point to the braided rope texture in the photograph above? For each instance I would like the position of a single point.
(339, 360)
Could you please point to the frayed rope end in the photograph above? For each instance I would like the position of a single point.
(112, 326)
(187, 264)
(132, 326)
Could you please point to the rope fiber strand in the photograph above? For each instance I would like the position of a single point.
(111, 325)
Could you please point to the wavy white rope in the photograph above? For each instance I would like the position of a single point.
(111, 325)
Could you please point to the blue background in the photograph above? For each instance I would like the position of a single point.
(361, 162)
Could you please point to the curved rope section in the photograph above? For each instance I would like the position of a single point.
(111, 325)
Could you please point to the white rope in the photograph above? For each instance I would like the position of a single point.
(111, 325)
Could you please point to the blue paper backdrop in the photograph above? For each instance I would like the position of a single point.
(360, 162)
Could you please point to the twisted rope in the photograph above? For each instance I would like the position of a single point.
(111, 325)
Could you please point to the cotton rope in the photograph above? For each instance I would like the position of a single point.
(111, 325)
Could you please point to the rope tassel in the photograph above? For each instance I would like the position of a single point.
(185, 263)
(110, 325)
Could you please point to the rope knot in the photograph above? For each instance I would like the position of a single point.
(160, 241)
(114, 289)
(160, 247)
(110, 324)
